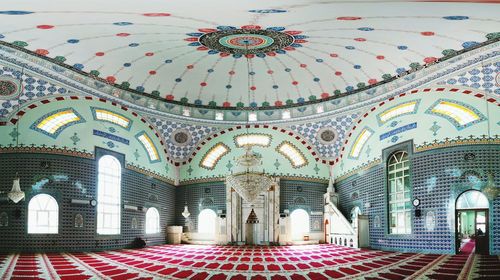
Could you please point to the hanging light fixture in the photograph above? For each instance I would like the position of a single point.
(248, 182)
(186, 213)
(15, 193)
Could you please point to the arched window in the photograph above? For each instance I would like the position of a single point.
(43, 214)
(300, 224)
(152, 221)
(206, 223)
(472, 199)
(398, 174)
(108, 195)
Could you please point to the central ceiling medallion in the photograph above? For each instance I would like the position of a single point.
(249, 40)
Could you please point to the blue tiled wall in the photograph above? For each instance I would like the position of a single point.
(305, 195)
(75, 178)
(198, 197)
(438, 177)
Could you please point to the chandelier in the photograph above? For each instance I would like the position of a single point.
(248, 182)
(16, 194)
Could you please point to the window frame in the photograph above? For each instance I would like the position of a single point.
(146, 221)
(59, 214)
(100, 152)
(407, 147)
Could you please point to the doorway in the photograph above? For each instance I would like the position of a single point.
(472, 226)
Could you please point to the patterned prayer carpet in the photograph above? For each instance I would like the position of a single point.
(314, 262)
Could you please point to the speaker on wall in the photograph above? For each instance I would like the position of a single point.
(418, 213)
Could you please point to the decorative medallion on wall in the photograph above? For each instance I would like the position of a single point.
(153, 198)
(246, 40)
(327, 135)
(354, 195)
(469, 156)
(78, 221)
(181, 137)
(4, 219)
(207, 203)
(299, 201)
(10, 88)
(134, 224)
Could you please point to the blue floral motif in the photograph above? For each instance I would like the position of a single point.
(456, 17)
(469, 44)
(225, 27)
(268, 11)
(15, 13)
(122, 23)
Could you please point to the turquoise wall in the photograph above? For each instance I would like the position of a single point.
(421, 126)
(273, 163)
(81, 136)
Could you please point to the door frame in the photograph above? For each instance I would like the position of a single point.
(457, 230)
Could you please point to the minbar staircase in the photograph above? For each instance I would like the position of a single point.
(339, 230)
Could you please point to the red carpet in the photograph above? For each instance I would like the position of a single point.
(244, 262)
(468, 247)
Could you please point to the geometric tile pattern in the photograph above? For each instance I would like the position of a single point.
(415, 91)
(437, 187)
(176, 152)
(481, 77)
(303, 195)
(341, 124)
(197, 197)
(33, 88)
(66, 178)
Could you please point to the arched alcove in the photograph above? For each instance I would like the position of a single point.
(206, 224)
(300, 223)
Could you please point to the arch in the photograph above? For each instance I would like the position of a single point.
(292, 134)
(109, 195)
(206, 223)
(14, 117)
(43, 215)
(300, 222)
(472, 199)
(351, 136)
(152, 221)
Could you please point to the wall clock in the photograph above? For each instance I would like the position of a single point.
(416, 202)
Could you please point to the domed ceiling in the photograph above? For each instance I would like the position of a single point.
(201, 52)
